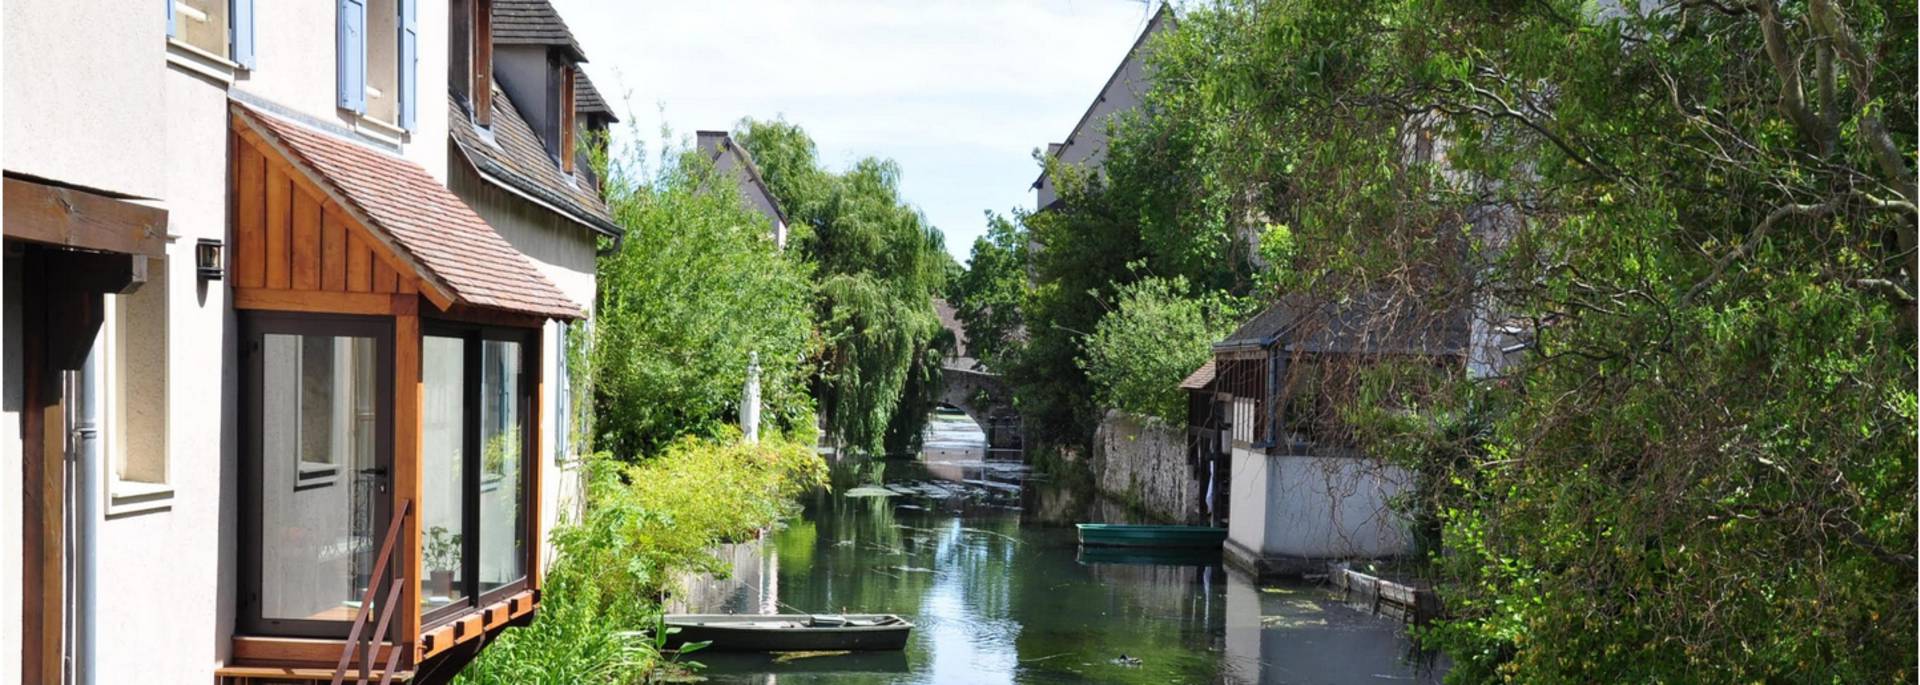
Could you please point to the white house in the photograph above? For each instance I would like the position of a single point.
(255, 344)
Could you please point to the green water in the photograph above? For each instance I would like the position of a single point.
(981, 556)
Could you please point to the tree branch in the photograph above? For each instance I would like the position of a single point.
(1753, 240)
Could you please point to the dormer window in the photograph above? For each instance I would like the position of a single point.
(560, 103)
(470, 56)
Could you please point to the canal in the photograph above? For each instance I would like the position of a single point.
(981, 555)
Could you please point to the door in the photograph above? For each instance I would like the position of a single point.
(315, 471)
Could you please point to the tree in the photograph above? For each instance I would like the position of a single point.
(1697, 219)
(877, 266)
(696, 285)
(1157, 333)
(988, 294)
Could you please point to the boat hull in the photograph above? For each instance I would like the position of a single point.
(787, 633)
(1124, 535)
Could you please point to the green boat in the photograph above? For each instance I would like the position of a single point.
(1130, 535)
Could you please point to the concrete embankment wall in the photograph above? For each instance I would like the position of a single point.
(1143, 461)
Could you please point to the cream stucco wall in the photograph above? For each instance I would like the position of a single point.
(295, 66)
(67, 114)
(1298, 507)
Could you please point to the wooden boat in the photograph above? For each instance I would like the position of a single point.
(791, 632)
(1130, 535)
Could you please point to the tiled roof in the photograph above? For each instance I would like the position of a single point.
(532, 22)
(1200, 378)
(1372, 323)
(452, 246)
(586, 98)
(515, 156)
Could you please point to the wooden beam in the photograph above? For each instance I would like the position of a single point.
(407, 480)
(306, 242)
(315, 301)
(75, 218)
(536, 535)
(278, 232)
(333, 252)
(249, 253)
(288, 651)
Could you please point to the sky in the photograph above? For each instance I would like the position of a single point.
(958, 92)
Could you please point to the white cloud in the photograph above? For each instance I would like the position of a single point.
(960, 93)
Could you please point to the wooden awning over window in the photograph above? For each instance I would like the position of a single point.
(314, 213)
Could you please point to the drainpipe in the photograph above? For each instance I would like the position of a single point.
(83, 463)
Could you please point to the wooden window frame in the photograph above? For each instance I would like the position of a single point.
(256, 325)
(482, 62)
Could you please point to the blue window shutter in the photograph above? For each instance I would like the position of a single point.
(352, 57)
(409, 62)
(172, 31)
(241, 17)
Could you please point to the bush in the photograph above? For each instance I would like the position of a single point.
(1158, 334)
(646, 524)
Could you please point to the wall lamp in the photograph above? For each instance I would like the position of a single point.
(208, 257)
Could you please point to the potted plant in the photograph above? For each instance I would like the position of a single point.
(443, 558)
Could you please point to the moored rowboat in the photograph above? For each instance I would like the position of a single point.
(791, 632)
(1130, 535)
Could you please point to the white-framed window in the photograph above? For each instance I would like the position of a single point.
(135, 400)
(211, 35)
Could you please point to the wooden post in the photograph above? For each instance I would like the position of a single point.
(536, 537)
(406, 462)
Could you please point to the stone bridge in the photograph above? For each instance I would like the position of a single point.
(986, 399)
(969, 387)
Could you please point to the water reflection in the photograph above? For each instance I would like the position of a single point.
(981, 555)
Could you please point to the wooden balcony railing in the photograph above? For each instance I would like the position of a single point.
(363, 644)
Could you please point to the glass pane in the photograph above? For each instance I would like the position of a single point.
(442, 439)
(502, 557)
(320, 488)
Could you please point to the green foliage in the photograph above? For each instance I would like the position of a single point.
(1702, 468)
(877, 266)
(1157, 334)
(645, 525)
(987, 297)
(696, 285)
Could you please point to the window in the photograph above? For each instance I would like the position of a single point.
(383, 65)
(134, 382)
(220, 29)
(314, 469)
(443, 519)
(476, 498)
(201, 24)
(470, 56)
(378, 60)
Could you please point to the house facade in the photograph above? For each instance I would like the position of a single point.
(1086, 145)
(1300, 493)
(282, 393)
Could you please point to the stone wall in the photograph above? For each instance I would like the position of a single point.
(1142, 460)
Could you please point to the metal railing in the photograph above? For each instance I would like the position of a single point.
(365, 644)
